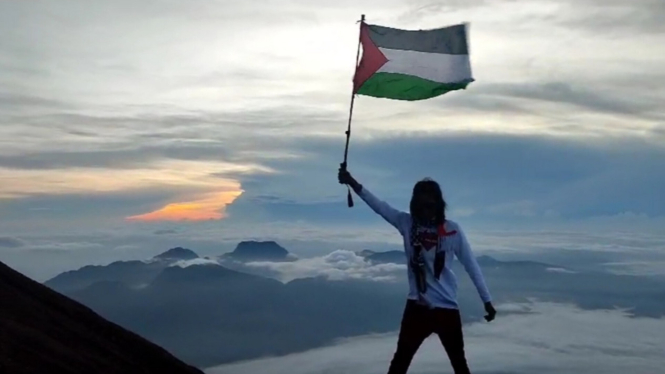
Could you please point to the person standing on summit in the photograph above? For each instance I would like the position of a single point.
(430, 242)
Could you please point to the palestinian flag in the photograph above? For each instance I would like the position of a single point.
(412, 64)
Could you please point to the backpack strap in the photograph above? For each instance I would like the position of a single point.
(417, 262)
(440, 258)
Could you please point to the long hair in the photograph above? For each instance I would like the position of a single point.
(431, 187)
(416, 263)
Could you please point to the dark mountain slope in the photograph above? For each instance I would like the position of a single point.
(42, 331)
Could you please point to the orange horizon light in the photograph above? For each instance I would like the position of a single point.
(208, 207)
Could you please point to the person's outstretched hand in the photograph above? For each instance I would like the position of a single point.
(344, 177)
(491, 312)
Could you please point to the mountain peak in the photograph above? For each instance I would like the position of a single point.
(255, 245)
(252, 250)
(177, 253)
(365, 253)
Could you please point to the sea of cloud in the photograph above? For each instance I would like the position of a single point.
(337, 265)
(332, 252)
(535, 337)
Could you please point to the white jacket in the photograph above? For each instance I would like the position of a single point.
(442, 292)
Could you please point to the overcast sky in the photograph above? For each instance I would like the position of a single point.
(540, 337)
(119, 119)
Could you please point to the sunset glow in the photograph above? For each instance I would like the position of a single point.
(208, 207)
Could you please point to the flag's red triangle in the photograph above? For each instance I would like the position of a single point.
(371, 61)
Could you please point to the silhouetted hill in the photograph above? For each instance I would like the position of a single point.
(128, 272)
(132, 273)
(210, 280)
(195, 275)
(388, 257)
(42, 331)
(177, 253)
(365, 253)
(489, 262)
(210, 314)
(520, 280)
(259, 251)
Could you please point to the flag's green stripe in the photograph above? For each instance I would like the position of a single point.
(406, 87)
(450, 40)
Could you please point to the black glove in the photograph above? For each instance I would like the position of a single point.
(491, 312)
(344, 177)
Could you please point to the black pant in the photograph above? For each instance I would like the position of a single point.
(418, 323)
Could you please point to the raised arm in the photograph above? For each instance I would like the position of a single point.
(466, 257)
(380, 207)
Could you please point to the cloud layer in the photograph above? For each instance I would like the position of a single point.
(338, 265)
(160, 112)
(196, 261)
(588, 247)
(489, 177)
(537, 337)
(174, 95)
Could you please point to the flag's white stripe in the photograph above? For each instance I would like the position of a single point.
(437, 67)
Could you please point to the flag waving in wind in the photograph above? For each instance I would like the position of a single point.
(408, 65)
(412, 64)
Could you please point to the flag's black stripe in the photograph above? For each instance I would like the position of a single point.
(450, 40)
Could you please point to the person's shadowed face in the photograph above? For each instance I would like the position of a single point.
(427, 204)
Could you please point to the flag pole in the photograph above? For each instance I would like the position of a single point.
(353, 96)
